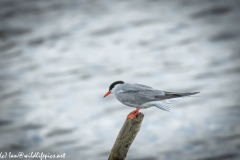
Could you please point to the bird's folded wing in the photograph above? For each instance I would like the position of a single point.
(170, 95)
(138, 95)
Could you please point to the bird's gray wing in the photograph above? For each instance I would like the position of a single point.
(170, 95)
(136, 97)
(164, 102)
(138, 94)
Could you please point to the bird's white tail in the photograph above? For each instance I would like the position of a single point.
(162, 105)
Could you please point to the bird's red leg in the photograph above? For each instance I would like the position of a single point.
(133, 114)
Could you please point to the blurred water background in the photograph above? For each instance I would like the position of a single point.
(58, 58)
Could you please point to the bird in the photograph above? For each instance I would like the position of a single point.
(142, 96)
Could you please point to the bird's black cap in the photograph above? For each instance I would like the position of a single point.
(115, 83)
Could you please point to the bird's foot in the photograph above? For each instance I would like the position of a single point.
(133, 113)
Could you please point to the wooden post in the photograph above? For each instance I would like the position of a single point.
(125, 137)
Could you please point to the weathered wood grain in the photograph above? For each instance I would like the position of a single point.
(125, 138)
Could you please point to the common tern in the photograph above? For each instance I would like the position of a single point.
(141, 96)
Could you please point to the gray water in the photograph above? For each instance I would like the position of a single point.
(58, 58)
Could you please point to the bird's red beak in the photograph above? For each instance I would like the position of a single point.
(109, 92)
